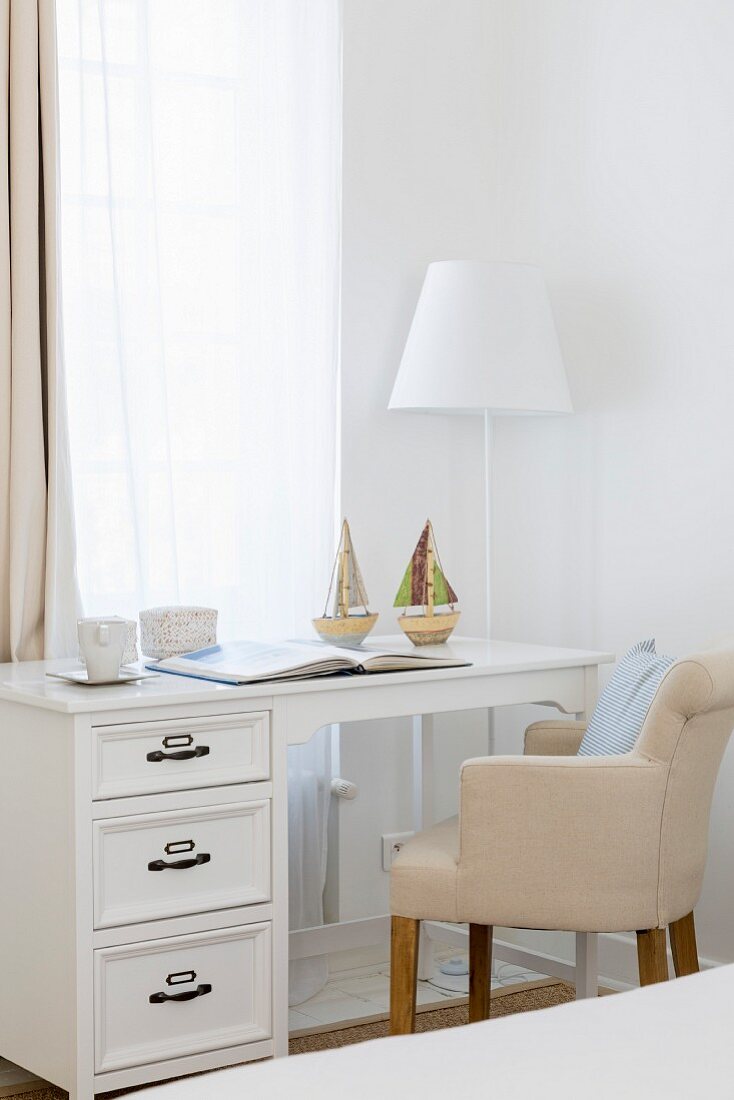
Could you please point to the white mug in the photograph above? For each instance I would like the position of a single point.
(102, 642)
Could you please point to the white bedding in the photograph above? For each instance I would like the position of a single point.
(673, 1040)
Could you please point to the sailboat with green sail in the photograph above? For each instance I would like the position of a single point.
(343, 623)
(424, 585)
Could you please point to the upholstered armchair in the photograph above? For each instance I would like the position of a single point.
(551, 840)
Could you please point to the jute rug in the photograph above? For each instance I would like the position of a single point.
(505, 1002)
(502, 1003)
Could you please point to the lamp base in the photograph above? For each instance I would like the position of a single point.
(429, 629)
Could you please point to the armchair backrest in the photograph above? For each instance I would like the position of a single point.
(687, 727)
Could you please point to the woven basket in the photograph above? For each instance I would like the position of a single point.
(170, 631)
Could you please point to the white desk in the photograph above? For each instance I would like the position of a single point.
(90, 799)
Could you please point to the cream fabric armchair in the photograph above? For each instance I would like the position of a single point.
(552, 840)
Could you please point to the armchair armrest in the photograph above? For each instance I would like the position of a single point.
(561, 842)
(554, 738)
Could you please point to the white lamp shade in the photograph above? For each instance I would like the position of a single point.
(482, 338)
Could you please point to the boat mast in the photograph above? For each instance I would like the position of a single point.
(429, 570)
(344, 590)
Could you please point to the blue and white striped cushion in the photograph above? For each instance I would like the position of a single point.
(616, 723)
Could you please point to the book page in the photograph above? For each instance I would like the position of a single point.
(259, 660)
(372, 658)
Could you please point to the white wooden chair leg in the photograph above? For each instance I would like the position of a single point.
(587, 965)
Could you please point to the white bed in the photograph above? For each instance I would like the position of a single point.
(673, 1040)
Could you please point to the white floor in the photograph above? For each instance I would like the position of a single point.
(352, 996)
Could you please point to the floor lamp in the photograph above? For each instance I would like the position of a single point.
(482, 341)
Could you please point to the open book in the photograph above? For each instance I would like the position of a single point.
(255, 662)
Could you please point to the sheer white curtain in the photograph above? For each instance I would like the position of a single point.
(200, 161)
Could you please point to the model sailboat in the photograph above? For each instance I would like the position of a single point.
(342, 622)
(425, 586)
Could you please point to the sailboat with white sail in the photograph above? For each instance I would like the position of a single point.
(347, 619)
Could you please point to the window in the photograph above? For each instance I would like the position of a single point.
(200, 160)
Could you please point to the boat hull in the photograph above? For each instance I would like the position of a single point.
(350, 630)
(429, 629)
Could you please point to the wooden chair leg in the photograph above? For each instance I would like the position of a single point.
(652, 956)
(480, 971)
(683, 945)
(404, 937)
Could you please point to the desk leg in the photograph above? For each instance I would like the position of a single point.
(423, 814)
(591, 693)
(426, 964)
(423, 766)
(587, 943)
(279, 874)
(587, 965)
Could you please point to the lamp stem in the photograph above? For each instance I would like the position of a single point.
(488, 550)
(488, 517)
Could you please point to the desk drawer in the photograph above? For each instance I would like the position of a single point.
(190, 861)
(222, 980)
(151, 757)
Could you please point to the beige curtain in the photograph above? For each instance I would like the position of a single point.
(38, 603)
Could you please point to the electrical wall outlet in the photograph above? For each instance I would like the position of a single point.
(391, 845)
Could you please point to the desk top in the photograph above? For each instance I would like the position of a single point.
(27, 682)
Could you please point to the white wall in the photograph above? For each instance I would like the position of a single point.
(593, 137)
(616, 169)
(418, 167)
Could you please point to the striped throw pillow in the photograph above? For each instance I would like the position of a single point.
(616, 723)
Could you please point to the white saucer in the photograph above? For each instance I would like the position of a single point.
(79, 676)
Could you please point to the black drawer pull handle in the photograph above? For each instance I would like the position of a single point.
(185, 754)
(179, 864)
(189, 995)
